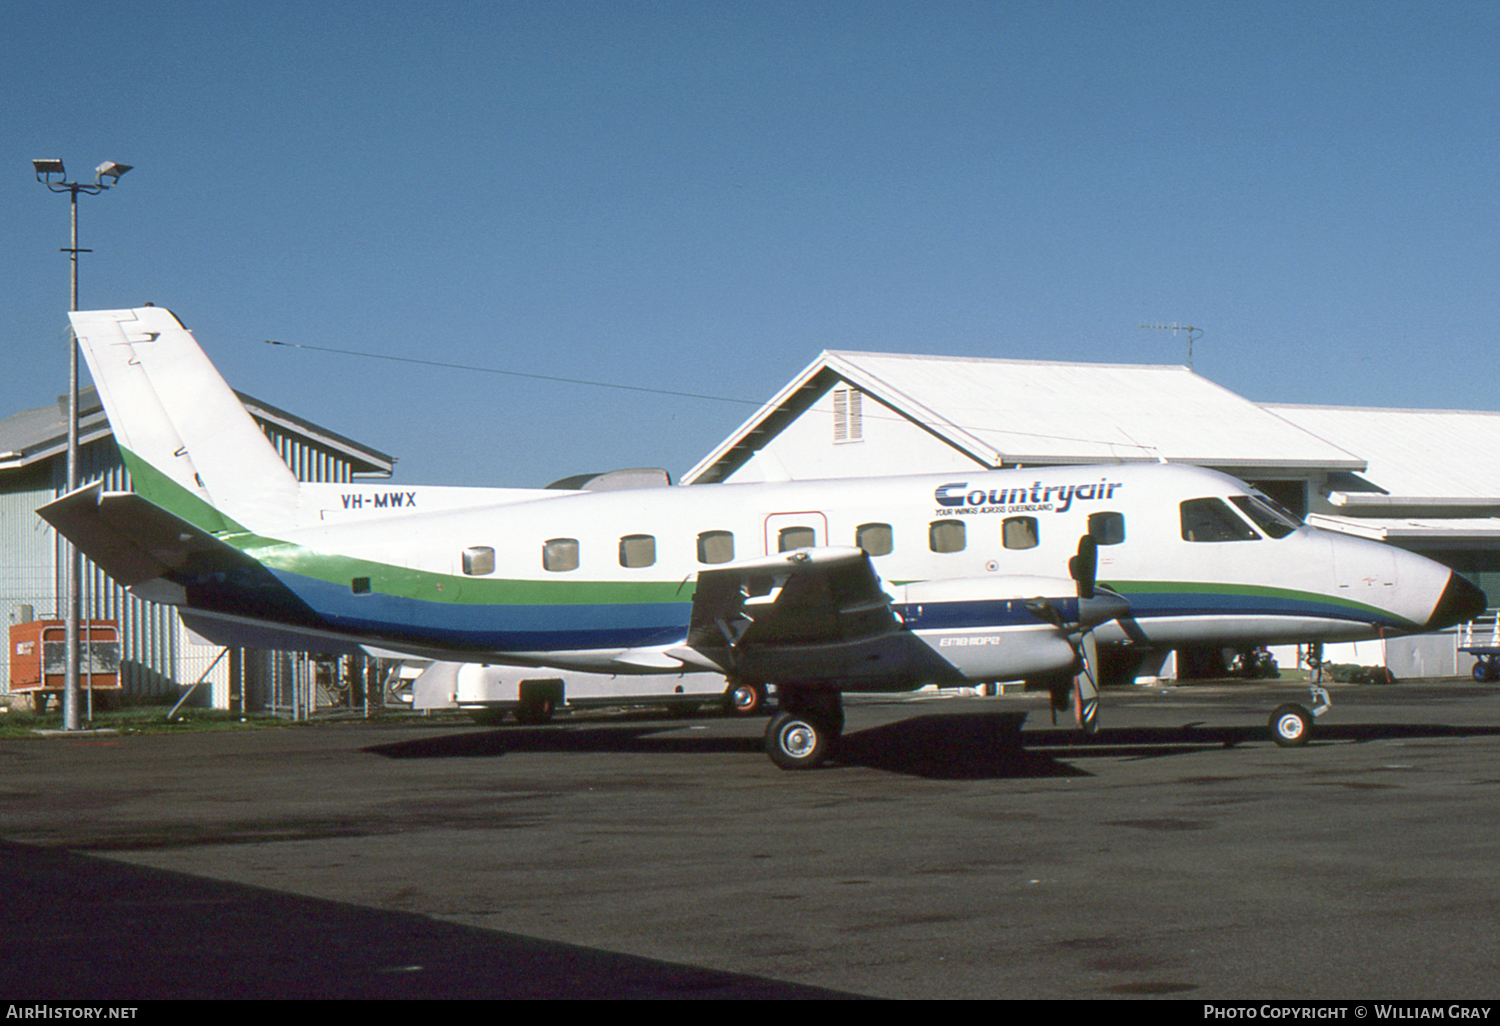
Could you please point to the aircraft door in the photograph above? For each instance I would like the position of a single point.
(787, 531)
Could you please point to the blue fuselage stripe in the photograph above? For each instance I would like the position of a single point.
(494, 627)
(562, 627)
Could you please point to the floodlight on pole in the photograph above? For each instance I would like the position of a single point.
(51, 174)
(111, 169)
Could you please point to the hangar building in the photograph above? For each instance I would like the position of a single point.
(157, 653)
(1427, 480)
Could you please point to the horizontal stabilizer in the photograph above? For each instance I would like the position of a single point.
(128, 537)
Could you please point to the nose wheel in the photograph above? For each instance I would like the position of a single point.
(1291, 724)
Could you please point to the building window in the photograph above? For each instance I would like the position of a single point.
(479, 560)
(559, 554)
(637, 550)
(848, 415)
(875, 539)
(716, 547)
(1019, 532)
(946, 536)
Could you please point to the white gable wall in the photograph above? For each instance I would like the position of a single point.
(890, 445)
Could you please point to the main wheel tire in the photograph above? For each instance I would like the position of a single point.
(1291, 725)
(746, 699)
(798, 742)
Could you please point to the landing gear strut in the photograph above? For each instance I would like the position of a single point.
(802, 733)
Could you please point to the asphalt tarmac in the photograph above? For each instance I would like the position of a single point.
(955, 848)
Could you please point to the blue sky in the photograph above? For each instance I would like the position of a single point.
(702, 196)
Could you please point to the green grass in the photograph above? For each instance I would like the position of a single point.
(151, 719)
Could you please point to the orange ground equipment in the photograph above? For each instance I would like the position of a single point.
(38, 659)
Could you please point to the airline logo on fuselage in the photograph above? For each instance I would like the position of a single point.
(959, 498)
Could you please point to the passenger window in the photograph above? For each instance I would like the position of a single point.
(1211, 520)
(946, 536)
(874, 538)
(1019, 532)
(1107, 528)
(479, 560)
(790, 538)
(716, 547)
(637, 550)
(560, 554)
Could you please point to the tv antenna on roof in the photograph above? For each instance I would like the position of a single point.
(1174, 329)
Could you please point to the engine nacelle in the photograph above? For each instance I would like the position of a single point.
(995, 628)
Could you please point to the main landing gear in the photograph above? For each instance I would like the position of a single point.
(802, 733)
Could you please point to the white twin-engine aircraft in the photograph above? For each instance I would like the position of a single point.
(817, 587)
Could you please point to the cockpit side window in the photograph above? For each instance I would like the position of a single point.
(1273, 521)
(1211, 520)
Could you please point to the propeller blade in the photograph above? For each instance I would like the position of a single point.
(1085, 566)
(1086, 684)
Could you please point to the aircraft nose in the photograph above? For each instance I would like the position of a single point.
(1459, 603)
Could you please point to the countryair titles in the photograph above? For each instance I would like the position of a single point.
(959, 498)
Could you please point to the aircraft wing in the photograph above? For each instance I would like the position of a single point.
(823, 600)
(128, 537)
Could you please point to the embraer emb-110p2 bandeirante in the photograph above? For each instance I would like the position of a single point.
(817, 587)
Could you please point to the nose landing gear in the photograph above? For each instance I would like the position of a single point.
(1291, 724)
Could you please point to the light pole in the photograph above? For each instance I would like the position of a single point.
(51, 174)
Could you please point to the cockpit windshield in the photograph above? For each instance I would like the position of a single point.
(1273, 519)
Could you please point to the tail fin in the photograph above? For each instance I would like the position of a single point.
(190, 446)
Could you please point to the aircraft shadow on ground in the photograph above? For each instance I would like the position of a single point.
(1196, 736)
(953, 746)
(77, 927)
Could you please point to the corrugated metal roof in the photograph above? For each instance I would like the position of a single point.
(34, 435)
(1042, 412)
(1398, 529)
(1430, 458)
